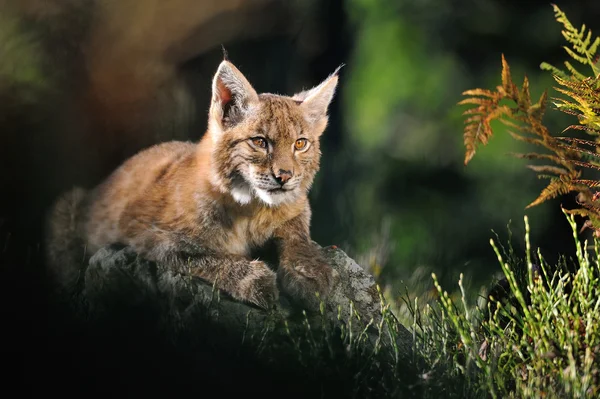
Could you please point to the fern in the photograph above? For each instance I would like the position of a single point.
(568, 156)
(583, 48)
(586, 104)
(525, 120)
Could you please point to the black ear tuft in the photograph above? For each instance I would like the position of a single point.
(225, 55)
(337, 70)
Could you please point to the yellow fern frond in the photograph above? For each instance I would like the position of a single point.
(508, 89)
(477, 126)
(583, 47)
(554, 189)
(480, 92)
(567, 156)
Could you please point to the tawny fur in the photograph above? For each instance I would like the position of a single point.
(202, 207)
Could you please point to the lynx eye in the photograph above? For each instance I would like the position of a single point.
(301, 144)
(259, 142)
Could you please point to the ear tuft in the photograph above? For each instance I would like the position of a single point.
(337, 70)
(225, 55)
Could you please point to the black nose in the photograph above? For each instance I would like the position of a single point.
(282, 176)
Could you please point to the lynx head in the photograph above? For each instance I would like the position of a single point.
(265, 146)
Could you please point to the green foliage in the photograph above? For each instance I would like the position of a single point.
(20, 54)
(541, 339)
(512, 106)
(536, 334)
(583, 49)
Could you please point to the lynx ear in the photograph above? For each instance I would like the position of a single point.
(315, 101)
(232, 98)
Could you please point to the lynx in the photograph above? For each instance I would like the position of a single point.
(204, 206)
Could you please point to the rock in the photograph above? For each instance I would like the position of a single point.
(117, 281)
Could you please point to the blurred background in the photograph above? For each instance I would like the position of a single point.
(84, 84)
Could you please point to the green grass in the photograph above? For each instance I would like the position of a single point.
(540, 338)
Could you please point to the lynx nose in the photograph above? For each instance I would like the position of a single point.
(282, 176)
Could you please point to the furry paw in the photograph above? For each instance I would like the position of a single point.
(305, 277)
(259, 286)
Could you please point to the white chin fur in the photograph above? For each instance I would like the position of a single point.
(274, 199)
(241, 194)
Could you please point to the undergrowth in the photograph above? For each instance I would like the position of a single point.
(536, 335)
(537, 338)
(541, 338)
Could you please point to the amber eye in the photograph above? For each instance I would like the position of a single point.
(259, 142)
(300, 144)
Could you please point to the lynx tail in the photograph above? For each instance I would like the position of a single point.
(65, 248)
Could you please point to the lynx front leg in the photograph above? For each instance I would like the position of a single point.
(244, 280)
(303, 272)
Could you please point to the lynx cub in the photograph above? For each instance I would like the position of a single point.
(206, 205)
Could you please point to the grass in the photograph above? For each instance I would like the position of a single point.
(535, 336)
(539, 337)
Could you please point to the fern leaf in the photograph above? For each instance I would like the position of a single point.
(594, 47)
(553, 190)
(575, 56)
(508, 86)
(477, 101)
(548, 169)
(584, 49)
(548, 157)
(587, 182)
(586, 164)
(578, 141)
(574, 71)
(478, 130)
(544, 66)
(509, 123)
(580, 150)
(530, 140)
(583, 127)
(581, 98)
(541, 176)
(471, 136)
(480, 92)
(525, 96)
(567, 109)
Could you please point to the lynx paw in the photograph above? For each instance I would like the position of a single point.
(304, 278)
(259, 286)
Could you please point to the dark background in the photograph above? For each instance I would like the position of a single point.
(86, 84)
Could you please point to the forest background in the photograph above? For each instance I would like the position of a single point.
(86, 84)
